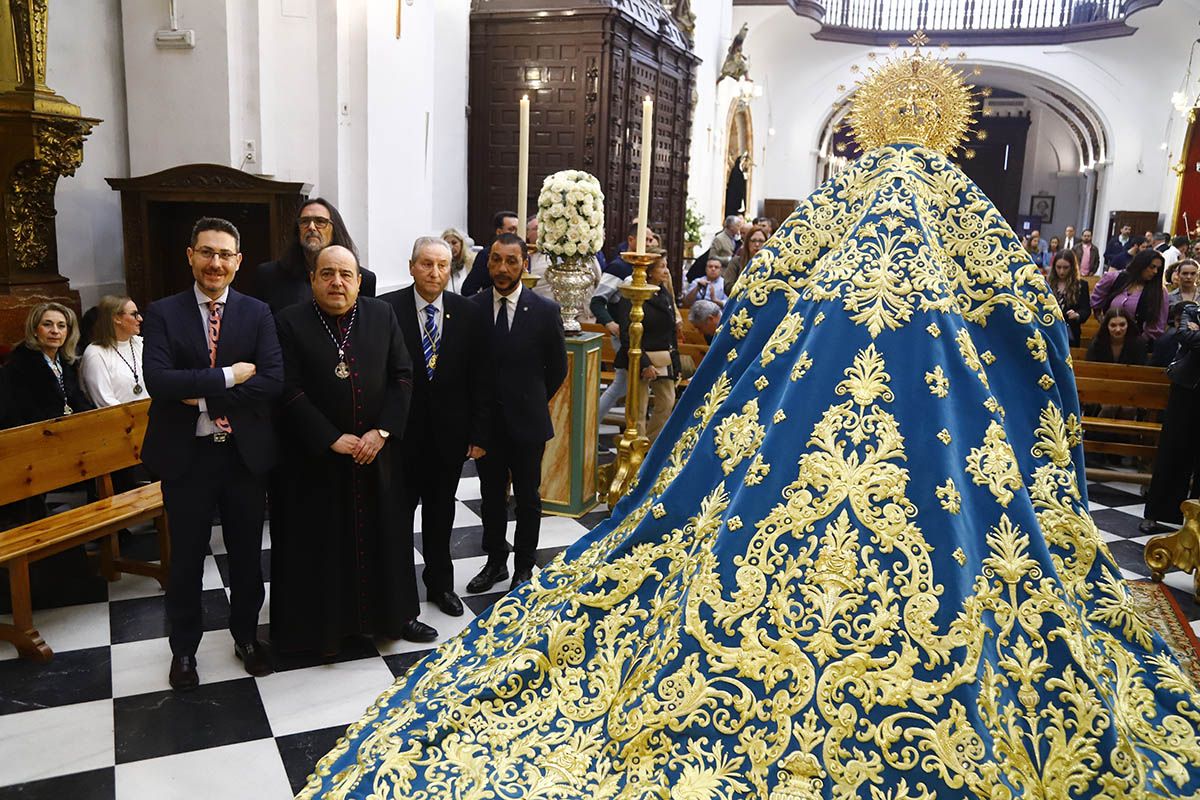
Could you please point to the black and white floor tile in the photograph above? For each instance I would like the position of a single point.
(99, 721)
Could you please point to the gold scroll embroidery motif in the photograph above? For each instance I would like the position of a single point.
(739, 435)
(994, 465)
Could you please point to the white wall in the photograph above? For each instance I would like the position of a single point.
(179, 101)
(85, 65)
(451, 53)
(1127, 80)
(706, 177)
(400, 137)
(323, 90)
(1052, 167)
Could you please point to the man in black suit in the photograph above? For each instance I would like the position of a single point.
(448, 419)
(526, 362)
(213, 368)
(285, 282)
(479, 277)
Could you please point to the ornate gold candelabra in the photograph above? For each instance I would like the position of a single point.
(1178, 550)
(634, 444)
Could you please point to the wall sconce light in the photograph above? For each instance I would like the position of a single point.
(748, 89)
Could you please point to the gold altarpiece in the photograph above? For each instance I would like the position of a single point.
(41, 139)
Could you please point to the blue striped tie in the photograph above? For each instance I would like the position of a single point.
(429, 340)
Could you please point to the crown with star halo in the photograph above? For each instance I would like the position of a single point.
(916, 98)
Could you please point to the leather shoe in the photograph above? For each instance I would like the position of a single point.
(520, 576)
(449, 603)
(489, 576)
(416, 631)
(1150, 526)
(253, 656)
(184, 676)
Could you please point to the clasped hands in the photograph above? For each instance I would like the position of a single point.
(363, 449)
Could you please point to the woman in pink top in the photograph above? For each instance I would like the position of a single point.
(1137, 290)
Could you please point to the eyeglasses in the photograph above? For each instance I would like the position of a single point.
(134, 314)
(320, 223)
(206, 254)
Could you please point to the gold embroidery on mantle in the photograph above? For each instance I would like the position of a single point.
(994, 465)
(739, 435)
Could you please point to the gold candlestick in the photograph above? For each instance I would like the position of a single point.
(634, 444)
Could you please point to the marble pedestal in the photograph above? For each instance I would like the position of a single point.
(569, 465)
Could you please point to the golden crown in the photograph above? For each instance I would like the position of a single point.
(914, 98)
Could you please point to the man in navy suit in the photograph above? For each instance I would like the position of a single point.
(448, 419)
(213, 367)
(526, 363)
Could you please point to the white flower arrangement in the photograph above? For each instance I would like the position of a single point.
(570, 215)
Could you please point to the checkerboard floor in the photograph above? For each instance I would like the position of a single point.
(99, 721)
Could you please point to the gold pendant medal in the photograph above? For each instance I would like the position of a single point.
(341, 370)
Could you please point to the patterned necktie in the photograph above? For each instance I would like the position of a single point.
(429, 339)
(502, 317)
(215, 310)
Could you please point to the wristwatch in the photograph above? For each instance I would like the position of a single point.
(383, 434)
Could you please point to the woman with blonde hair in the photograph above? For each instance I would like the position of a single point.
(40, 373)
(111, 369)
(462, 258)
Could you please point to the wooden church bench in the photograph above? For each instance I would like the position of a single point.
(46, 456)
(1144, 388)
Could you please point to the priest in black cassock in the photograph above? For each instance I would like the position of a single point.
(341, 565)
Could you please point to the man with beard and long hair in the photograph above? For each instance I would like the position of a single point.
(285, 282)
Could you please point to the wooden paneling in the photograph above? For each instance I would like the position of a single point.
(586, 69)
(158, 211)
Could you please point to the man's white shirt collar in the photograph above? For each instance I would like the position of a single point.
(512, 298)
(422, 302)
(204, 300)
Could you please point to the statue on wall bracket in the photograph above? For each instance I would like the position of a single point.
(736, 65)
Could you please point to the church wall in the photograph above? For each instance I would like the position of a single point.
(284, 100)
(400, 135)
(179, 101)
(1052, 167)
(1127, 80)
(449, 73)
(706, 179)
(85, 65)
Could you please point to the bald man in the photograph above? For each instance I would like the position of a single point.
(339, 569)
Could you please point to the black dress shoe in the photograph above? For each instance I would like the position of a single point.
(254, 658)
(416, 631)
(449, 603)
(489, 576)
(183, 675)
(1148, 526)
(520, 576)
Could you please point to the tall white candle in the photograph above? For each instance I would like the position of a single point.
(647, 166)
(523, 167)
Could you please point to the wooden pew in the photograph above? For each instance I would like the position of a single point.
(1144, 388)
(51, 455)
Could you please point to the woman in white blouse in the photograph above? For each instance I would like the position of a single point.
(111, 371)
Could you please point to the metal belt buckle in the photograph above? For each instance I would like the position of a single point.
(220, 436)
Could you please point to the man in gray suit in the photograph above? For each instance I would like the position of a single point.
(725, 243)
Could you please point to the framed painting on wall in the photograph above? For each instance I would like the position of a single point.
(1042, 205)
